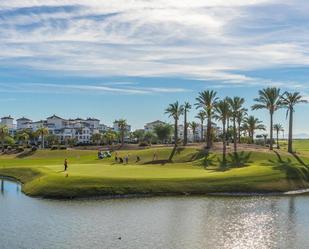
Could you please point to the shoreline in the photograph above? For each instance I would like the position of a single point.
(266, 193)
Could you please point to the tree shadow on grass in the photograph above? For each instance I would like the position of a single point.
(299, 160)
(235, 160)
(200, 154)
(26, 154)
(292, 170)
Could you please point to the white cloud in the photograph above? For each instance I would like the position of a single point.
(206, 40)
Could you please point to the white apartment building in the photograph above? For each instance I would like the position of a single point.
(150, 126)
(8, 122)
(79, 129)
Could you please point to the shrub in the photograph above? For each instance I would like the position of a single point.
(62, 147)
(34, 148)
(143, 144)
(54, 147)
(19, 149)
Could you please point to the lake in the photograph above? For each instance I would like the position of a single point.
(142, 223)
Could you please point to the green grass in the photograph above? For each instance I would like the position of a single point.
(42, 174)
(301, 146)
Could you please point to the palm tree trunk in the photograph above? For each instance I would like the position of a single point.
(208, 138)
(252, 137)
(239, 132)
(175, 142)
(202, 131)
(122, 138)
(224, 143)
(227, 131)
(235, 135)
(271, 131)
(278, 147)
(43, 145)
(290, 139)
(185, 132)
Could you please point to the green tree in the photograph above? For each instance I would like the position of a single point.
(96, 138)
(175, 111)
(277, 128)
(42, 132)
(109, 137)
(269, 99)
(207, 100)
(186, 109)
(201, 115)
(22, 138)
(194, 126)
(222, 110)
(236, 105)
(4, 132)
(240, 117)
(52, 139)
(122, 125)
(163, 132)
(289, 100)
(252, 124)
(139, 135)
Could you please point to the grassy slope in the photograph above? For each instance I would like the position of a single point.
(42, 174)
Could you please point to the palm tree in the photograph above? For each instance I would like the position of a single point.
(277, 128)
(4, 132)
(289, 100)
(23, 137)
(42, 132)
(175, 111)
(253, 124)
(270, 99)
(222, 110)
(236, 104)
(201, 116)
(240, 117)
(186, 108)
(122, 125)
(96, 138)
(193, 126)
(207, 100)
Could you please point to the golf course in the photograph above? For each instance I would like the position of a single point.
(254, 170)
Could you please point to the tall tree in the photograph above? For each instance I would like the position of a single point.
(222, 110)
(201, 115)
(174, 110)
(193, 126)
(207, 100)
(252, 124)
(270, 99)
(163, 132)
(240, 117)
(277, 128)
(289, 100)
(42, 132)
(122, 125)
(186, 108)
(4, 132)
(236, 104)
(96, 138)
(23, 137)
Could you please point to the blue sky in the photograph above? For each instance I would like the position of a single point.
(130, 59)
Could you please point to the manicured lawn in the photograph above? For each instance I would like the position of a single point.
(299, 145)
(42, 173)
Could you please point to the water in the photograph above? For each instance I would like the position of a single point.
(165, 223)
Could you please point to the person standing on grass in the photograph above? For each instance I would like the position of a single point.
(65, 164)
(116, 156)
(127, 159)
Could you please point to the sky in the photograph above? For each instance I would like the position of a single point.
(131, 58)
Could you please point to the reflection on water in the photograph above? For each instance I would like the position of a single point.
(169, 223)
